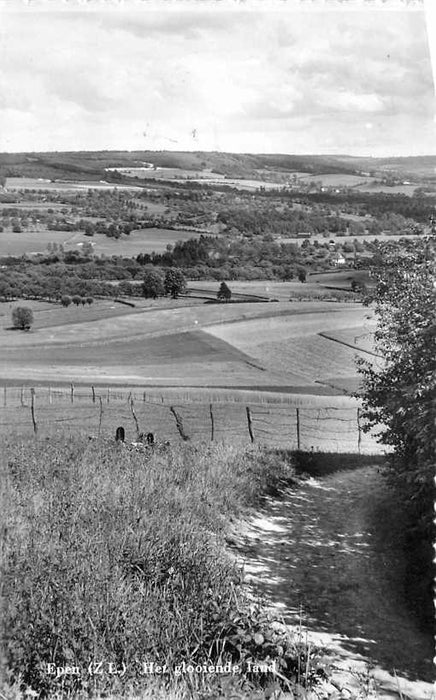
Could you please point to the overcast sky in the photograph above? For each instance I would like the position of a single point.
(320, 81)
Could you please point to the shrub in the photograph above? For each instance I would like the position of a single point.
(66, 300)
(22, 317)
(224, 293)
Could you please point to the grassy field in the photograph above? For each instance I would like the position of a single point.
(270, 357)
(140, 241)
(144, 240)
(340, 279)
(30, 183)
(274, 291)
(105, 560)
(23, 204)
(169, 346)
(294, 346)
(31, 241)
(263, 288)
(336, 179)
(169, 173)
(51, 314)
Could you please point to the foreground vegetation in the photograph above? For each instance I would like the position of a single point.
(398, 398)
(116, 555)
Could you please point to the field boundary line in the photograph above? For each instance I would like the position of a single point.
(323, 334)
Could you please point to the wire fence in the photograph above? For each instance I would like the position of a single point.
(46, 411)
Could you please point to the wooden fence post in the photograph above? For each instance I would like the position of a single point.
(212, 423)
(93, 393)
(359, 431)
(298, 429)
(250, 425)
(132, 408)
(72, 392)
(101, 414)
(108, 396)
(49, 395)
(22, 396)
(179, 424)
(32, 410)
(4, 396)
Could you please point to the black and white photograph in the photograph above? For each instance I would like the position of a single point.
(217, 349)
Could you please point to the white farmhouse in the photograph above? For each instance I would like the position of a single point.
(338, 260)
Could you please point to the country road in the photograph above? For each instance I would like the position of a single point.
(330, 550)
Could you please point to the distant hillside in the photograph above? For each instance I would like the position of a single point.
(91, 165)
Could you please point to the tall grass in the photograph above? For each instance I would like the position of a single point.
(115, 555)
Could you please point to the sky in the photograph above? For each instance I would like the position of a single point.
(217, 77)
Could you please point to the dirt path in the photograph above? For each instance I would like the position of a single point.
(332, 549)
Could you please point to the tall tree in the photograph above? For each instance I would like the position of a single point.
(153, 284)
(22, 317)
(175, 282)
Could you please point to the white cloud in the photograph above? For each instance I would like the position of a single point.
(245, 81)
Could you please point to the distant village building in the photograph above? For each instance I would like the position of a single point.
(338, 260)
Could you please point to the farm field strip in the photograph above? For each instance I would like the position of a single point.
(299, 348)
(35, 240)
(337, 179)
(340, 278)
(273, 290)
(145, 240)
(247, 333)
(311, 358)
(172, 321)
(29, 183)
(31, 205)
(31, 241)
(15, 396)
(52, 315)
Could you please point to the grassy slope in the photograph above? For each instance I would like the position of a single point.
(89, 165)
(143, 350)
(169, 345)
(294, 345)
(118, 555)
